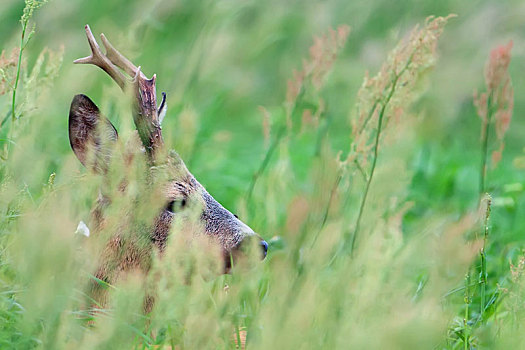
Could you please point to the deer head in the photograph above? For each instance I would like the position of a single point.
(91, 135)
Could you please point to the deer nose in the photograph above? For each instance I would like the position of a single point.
(264, 247)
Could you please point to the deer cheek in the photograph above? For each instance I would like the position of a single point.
(161, 230)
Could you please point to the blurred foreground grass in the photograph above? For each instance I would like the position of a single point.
(228, 69)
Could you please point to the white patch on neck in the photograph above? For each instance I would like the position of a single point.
(82, 229)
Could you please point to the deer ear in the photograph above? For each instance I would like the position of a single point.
(91, 135)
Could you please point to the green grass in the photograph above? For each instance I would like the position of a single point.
(416, 278)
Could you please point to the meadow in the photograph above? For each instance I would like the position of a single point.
(376, 146)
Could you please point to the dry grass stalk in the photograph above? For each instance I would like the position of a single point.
(383, 99)
(495, 105)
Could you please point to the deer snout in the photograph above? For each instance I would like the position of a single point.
(237, 239)
(254, 241)
(249, 235)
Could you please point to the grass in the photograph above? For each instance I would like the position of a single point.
(393, 165)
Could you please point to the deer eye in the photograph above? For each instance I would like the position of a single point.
(177, 205)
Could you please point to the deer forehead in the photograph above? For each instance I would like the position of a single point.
(183, 187)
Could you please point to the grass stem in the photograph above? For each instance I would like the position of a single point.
(18, 67)
(483, 274)
(328, 206)
(466, 327)
(376, 150)
(485, 146)
(265, 161)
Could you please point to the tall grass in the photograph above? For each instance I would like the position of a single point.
(494, 107)
(356, 258)
(12, 75)
(395, 81)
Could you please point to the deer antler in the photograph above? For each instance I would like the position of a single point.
(118, 59)
(100, 60)
(146, 114)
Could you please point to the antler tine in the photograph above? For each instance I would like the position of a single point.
(145, 114)
(99, 59)
(120, 60)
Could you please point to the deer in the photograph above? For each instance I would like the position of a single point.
(92, 138)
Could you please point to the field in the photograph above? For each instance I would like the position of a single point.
(378, 147)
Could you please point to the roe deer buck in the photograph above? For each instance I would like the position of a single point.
(91, 136)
